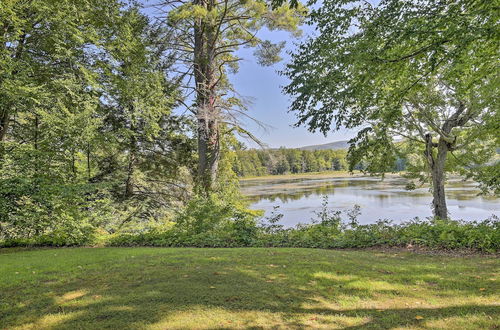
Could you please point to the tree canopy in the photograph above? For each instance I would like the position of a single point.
(421, 71)
(207, 33)
(94, 137)
(87, 133)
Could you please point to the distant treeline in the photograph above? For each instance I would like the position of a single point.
(253, 162)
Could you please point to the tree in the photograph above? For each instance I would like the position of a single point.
(139, 99)
(87, 129)
(42, 50)
(424, 71)
(295, 160)
(146, 145)
(208, 33)
(336, 166)
(49, 93)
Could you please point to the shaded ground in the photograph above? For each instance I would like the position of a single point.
(163, 288)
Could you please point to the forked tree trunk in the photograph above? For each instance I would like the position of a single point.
(436, 164)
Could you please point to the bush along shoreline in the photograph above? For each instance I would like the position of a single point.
(480, 236)
(209, 223)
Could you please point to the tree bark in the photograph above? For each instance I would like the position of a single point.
(5, 113)
(436, 164)
(206, 97)
(208, 152)
(88, 161)
(4, 124)
(129, 183)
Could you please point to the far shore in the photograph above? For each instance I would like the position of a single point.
(314, 175)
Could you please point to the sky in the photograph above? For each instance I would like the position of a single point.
(261, 87)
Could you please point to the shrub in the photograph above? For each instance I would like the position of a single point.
(211, 222)
(46, 213)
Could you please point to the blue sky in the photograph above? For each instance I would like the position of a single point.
(262, 87)
(269, 105)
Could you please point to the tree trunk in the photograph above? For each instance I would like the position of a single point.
(73, 165)
(208, 152)
(206, 96)
(439, 198)
(436, 165)
(36, 138)
(5, 114)
(37, 124)
(129, 183)
(88, 161)
(4, 125)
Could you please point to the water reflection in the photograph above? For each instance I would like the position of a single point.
(387, 199)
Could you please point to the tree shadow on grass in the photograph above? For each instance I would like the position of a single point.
(208, 292)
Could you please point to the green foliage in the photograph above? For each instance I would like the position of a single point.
(449, 234)
(91, 151)
(254, 162)
(220, 225)
(401, 70)
(45, 205)
(444, 234)
(204, 222)
(87, 138)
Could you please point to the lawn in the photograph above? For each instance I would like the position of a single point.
(165, 288)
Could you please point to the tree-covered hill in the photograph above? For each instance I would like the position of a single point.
(337, 145)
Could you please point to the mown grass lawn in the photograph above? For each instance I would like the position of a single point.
(165, 288)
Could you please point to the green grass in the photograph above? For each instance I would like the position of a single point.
(165, 288)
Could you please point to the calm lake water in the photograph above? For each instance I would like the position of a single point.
(297, 198)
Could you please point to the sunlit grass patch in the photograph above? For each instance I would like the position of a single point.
(49, 321)
(375, 285)
(334, 277)
(68, 296)
(159, 288)
(219, 318)
(477, 321)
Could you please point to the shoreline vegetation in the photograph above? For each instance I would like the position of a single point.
(331, 230)
(211, 223)
(308, 175)
(331, 174)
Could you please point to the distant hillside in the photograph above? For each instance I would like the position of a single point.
(332, 145)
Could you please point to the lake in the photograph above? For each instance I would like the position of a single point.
(299, 197)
